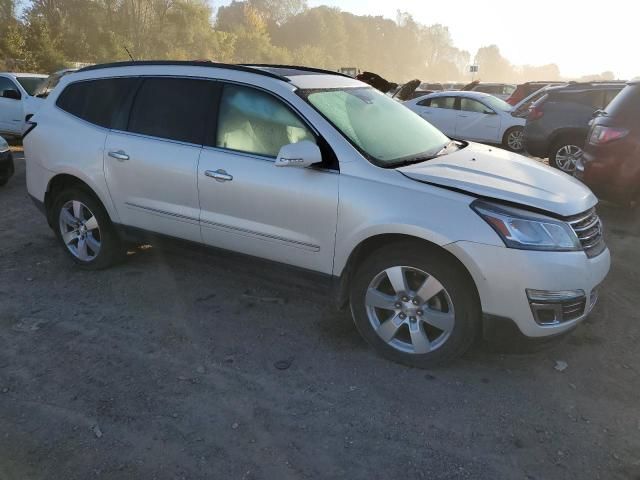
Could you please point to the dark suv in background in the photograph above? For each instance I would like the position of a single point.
(558, 123)
(523, 90)
(610, 165)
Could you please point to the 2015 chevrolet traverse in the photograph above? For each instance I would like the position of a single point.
(427, 237)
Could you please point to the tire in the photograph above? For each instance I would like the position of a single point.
(102, 246)
(3, 181)
(455, 307)
(513, 139)
(564, 152)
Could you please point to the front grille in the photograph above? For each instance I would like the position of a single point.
(588, 228)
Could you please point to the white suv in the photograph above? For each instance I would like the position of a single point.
(429, 241)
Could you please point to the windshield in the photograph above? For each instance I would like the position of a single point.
(30, 84)
(385, 131)
(497, 104)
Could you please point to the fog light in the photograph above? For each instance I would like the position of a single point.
(555, 307)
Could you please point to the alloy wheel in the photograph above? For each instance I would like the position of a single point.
(515, 140)
(80, 230)
(567, 156)
(410, 309)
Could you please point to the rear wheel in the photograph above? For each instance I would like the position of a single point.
(514, 139)
(414, 305)
(565, 153)
(85, 230)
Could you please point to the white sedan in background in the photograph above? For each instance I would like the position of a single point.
(471, 116)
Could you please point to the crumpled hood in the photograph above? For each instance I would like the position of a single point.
(496, 173)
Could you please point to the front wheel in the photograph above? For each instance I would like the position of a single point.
(85, 230)
(514, 139)
(415, 305)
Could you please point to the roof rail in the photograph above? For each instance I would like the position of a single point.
(188, 63)
(295, 67)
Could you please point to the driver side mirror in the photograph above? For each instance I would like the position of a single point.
(11, 94)
(301, 154)
(489, 112)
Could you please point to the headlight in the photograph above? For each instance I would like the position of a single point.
(4, 146)
(527, 230)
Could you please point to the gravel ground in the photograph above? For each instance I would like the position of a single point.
(181, 364)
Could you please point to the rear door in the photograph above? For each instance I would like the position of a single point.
(11, 109)
(440, 112)
(151, 162)
(285, 214)
(476, 121)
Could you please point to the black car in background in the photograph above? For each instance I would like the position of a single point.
(6, 162)
(610, 165)
(558, 123)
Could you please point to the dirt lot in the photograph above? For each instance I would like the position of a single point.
(166, 368)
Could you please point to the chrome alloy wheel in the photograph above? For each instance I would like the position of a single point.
(409, 309)
(80, 230)
(514, 140)
(567, 156)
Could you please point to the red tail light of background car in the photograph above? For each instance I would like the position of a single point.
(601, 134)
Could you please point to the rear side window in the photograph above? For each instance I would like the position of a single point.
(172, 108)
(442, 102)
(96, 101)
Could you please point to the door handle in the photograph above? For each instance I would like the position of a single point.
(220, 175)
(119, 155)
(463, 116)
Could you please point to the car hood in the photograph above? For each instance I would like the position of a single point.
(496, 173)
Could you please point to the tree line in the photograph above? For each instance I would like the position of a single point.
(48, 35)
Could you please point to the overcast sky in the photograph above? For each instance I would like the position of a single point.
(582, 37)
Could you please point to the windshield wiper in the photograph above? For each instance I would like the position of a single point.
(424, 158)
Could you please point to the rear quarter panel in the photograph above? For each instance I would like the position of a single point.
(64, 144)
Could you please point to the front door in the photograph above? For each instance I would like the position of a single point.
(11, 109)
(151, 165)
(285, 214)
(477, 122)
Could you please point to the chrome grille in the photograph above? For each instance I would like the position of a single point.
(588, 228)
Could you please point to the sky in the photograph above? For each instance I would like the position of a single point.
(581, 37)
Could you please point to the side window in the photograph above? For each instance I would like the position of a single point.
(255, 122)
(443, 102)
(590, 98)
(425, 103)
(172, 108)
(96, 101)
(470, 105)
(6, 84)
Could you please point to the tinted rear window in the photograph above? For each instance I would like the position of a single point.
(96, 101)
(626, 105)
(172, 108)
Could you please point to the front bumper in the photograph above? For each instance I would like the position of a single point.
(6, 165)
(503, 275)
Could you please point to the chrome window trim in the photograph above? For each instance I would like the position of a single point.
(256, 156)
(159, 139)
